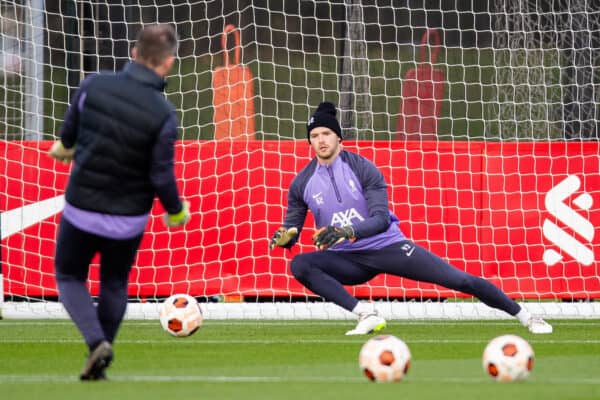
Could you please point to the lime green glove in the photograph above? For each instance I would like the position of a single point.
(60, 153)
(282, 237)
(180, 218)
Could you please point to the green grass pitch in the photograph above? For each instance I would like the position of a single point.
(292, 360)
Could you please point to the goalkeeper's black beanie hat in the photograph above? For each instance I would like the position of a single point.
(324, 116)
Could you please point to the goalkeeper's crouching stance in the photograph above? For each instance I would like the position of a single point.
(120, 131)
(359, 237)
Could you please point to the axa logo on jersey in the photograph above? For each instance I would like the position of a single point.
(565, 241)
(344, 218)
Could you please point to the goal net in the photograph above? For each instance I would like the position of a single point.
(482, 116)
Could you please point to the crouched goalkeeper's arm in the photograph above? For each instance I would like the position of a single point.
(287, 234)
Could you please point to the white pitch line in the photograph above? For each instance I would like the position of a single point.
(36, 379)
(303, 323)
(176, 378)
(197, 342)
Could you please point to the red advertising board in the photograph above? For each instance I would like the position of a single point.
(518, 214)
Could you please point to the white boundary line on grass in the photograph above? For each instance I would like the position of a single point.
(303, 322)
(200, 342)
(37, 379)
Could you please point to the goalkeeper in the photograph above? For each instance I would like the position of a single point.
(358, 236)
(120, 131)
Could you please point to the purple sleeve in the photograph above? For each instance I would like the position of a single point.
(68, 129)
(162, 172)
(375, 192)
(296, 209)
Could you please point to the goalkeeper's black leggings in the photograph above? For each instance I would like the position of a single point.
(75, 250)
(325, 273)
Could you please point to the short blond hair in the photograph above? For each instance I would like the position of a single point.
(155, 43)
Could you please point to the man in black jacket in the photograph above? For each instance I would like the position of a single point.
(120, 131)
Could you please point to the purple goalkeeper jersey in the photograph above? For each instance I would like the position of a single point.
(350, 191)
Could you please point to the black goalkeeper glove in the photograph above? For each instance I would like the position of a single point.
(329, 236)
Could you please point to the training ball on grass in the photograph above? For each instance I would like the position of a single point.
(180, 315)
(384, 358)
(508, 358)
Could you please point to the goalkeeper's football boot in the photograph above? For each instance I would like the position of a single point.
(98, 360)
(368, 323)
(538, 325)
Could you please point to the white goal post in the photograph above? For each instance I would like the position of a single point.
(482, 116)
